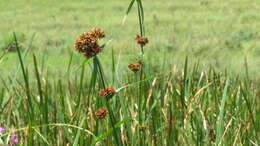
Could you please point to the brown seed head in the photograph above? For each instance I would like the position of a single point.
(111, 91)
(108, 92)
(87, 43)
(143, 127)
(141, 40)
(98, 33)
(102, 92)
(101, 112)
(134, 67)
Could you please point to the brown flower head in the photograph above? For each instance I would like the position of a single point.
(143, 127)
(134, 67)
(141, 40)
(98, 33)
(101, 113)
(108, 92)
(87, 43)
(102, 92)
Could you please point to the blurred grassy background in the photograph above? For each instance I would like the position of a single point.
(221, 33)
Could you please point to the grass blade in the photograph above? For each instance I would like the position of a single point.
(128, 10)
(78, 133)
(220, 123)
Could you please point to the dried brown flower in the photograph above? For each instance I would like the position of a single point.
(108, 92)
(134, 67)
(98, 33)
(87, 43)
(141, 40)
(101, 112)
(102, 92)
(111, 91)
(143, 127)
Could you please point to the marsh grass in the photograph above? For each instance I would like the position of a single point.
(159, 105)
(182, 107)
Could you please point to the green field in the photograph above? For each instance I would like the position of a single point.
(199, 84)
(222, 33)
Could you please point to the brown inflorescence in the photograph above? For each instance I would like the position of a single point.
(108, 92)
(101, 112)
(134, 67)
(143, 127)
(87, 43)
(141, 40)
(98, 33)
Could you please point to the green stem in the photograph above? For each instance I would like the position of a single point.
(26, 80)
(29, 103)
(111, 114)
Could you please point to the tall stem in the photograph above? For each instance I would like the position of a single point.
(111, 114)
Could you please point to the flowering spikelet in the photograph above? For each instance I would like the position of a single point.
(101, 113)
(143, 127)
(87, 43)
(134, 67)
(141, 40)
(108, 92)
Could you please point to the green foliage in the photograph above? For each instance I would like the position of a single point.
(182, 107)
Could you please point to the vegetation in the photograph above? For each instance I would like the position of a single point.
(205, 30)
(101, 95)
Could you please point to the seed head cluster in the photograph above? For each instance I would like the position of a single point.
(143, 127)
(101, 113)
(141, 40)
(134, 67)
(108, 92)
(87, 43)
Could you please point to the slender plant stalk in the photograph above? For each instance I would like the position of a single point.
(26, 80)
(39, 85)
(111, 114)
(27, 88)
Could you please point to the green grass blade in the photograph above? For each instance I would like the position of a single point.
(75, 143)
(39, 85)
(26, 80)
(43, 138)
(109, 132)
(184, 83)
(220, 123)
(128, 10)
(81, 83)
